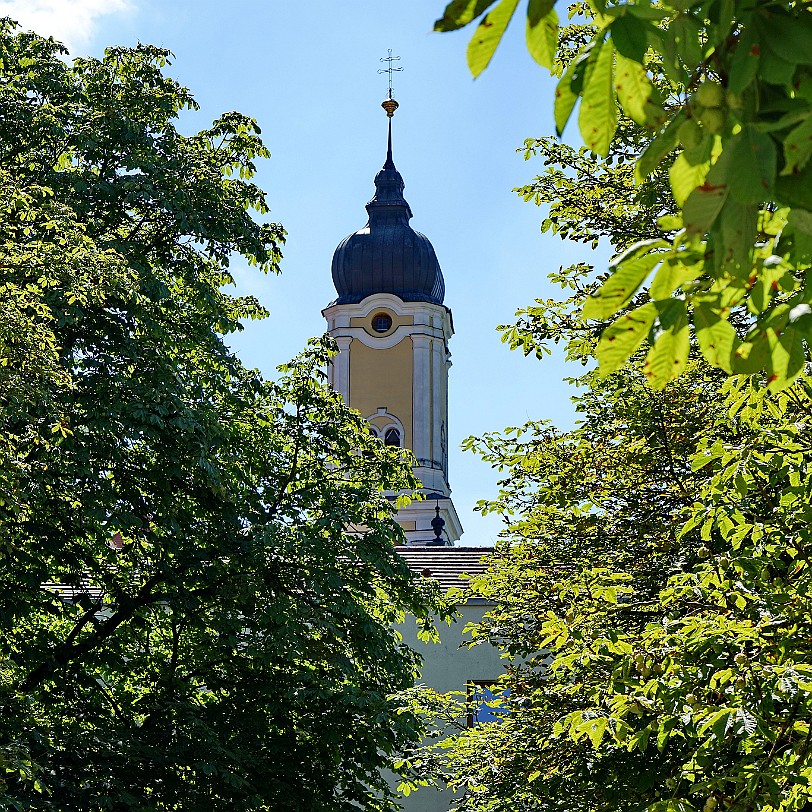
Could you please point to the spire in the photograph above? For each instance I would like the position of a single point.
(388, 204)
(387, 255)
(390, 105)
(389, 145)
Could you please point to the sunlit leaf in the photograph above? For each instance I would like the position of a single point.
(686, 176)
(668, 356)
(597, 117)
(717, 338)
(459, 13)
(635, 92)
(621, 338)
(672, 275)
(542, 31)
(488, 36)
(619, 288)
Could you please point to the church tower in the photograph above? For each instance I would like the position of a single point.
(392, 330)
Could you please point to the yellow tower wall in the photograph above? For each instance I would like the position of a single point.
(383, 378)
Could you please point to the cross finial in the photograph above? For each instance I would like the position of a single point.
(390, 69)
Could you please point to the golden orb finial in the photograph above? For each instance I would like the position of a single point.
(390, 105)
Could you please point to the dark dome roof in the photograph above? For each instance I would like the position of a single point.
(387, 255)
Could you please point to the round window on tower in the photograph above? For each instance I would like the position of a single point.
(381, 322)
(392, 437)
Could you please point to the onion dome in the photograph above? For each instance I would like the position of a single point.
(387, 255)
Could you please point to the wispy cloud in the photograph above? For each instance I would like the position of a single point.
(70, 21)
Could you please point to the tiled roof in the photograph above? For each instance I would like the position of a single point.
(446, 564)
(73, 593)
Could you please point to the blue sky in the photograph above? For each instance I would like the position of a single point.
(308, 73)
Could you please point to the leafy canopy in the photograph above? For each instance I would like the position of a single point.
(197, 573)
(652, 593)
(653, 582)
(734, 132)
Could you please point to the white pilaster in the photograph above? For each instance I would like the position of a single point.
(438, 412)
(421, 394)
(341, 367)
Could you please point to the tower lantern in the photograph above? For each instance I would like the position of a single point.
(392, 330)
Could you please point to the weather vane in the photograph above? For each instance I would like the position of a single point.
(390, 70)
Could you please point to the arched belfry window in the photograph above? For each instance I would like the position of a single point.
(387, 427)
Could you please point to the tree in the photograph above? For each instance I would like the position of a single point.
(734, 137)
(658, 663)
(593, 515)
(662, 636)
(197, 566)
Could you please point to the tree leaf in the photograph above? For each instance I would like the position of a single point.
(630, 35)
(718, 722)
(744, 65)
(565, 98)
(621, 338)
(659, 146)
(703, 206)
(796, 189)
(686, 176)
(752, 355)
(798, 147)
(597, 118)
(459, 13)
(668, 356)
(618, 289)
(672, 64)
(595, 729)
(717, 338)
(787, 35)
(787, 357)
(686, 33)
(641, 10)
(672, 275)
(488, 35)
(747, 720)
(751, 170)
(635, 92)
(774, 70)
(736, 229)
(542, 31)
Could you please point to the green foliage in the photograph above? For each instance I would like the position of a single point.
(739, 115)
(651, 592)
(593, 519)
(542, 31)
(652, 586)
(197, 574)
(488, 34)
(674, 673)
